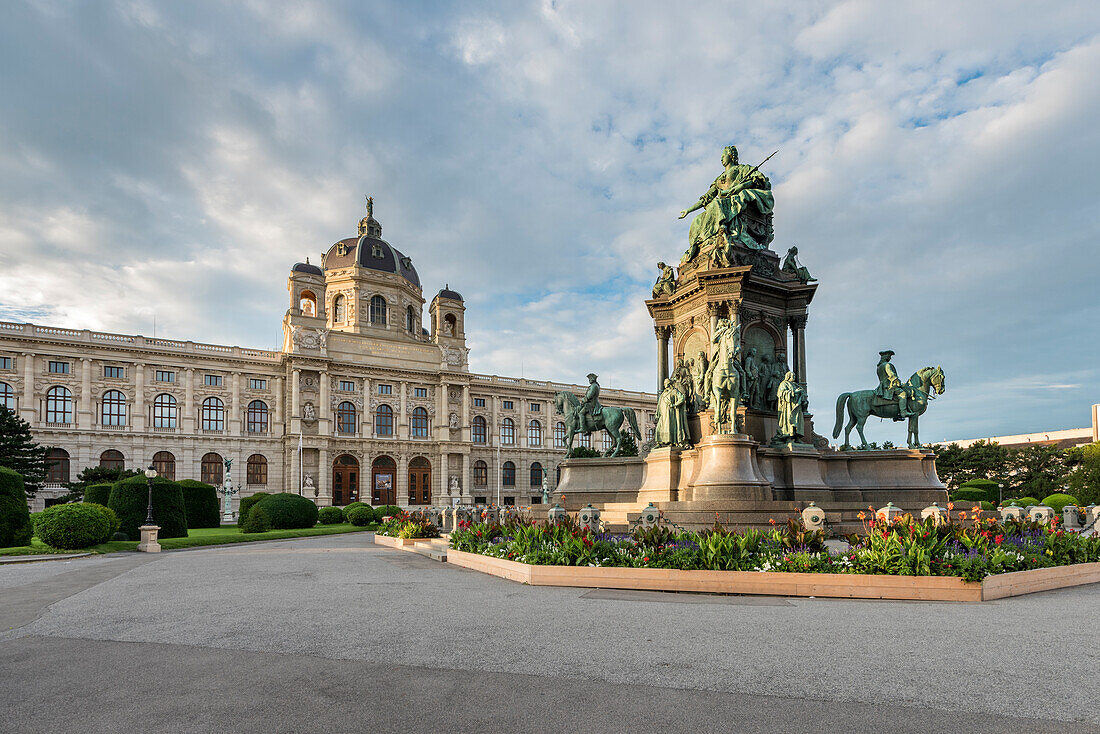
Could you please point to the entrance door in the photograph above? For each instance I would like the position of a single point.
(383, 481)
(420, 481)
(345, 480)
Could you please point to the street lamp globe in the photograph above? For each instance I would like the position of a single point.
(150, 472)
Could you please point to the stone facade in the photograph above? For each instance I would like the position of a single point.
(384, 408)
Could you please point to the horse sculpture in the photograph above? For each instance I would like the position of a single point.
(723, 380)
(922, 387)
(608, 419)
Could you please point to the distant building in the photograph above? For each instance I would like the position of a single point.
(385, 409)
(1063, 438)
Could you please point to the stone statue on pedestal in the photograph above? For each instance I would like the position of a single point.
(666, 281)
(724, 381)
(791, 403)
(791, 265)
(672, 417)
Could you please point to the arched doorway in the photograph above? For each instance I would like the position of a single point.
(345, 480)
(383, 481)
(420, 481)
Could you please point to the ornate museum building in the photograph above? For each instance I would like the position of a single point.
(384, 409)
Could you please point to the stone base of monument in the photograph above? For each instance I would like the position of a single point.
(726, 469)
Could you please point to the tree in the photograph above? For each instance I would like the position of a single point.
(979, 460)
(20, 453)
(1084, 481)
(1036, 471)
(94, 475)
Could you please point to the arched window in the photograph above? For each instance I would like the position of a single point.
(165, 411)
(606, 441)
(410, 320)
(507, 432)
(536, 474)
(257, 417)
(378, 310)
(59, 405)
(481, 474)
(7, 396)
(559, 435)
(420, 481)
(114, 408)
(213, 414)
(57, 466)
(165, 464)
(383, 420)
(419, 423)
(256, 470)
(534, 433)
(450, 325)
(479, 432)
(508, 474)
(585, 439)
(307, 303)
(339, 309)
(111, 459)
(345, 418)
(211, 469)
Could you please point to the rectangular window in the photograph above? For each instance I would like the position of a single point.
(59, 368)
(536, 407)
(347, 386)
(420, 392)
(479, 402)
(479, 500)
(509, 501)
(5, 363)
(166, 376)
(508, 404)
(385, 389)
(112, 371)
(257, 384)
(536, 500)
(213, 380)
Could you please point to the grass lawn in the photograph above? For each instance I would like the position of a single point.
(195, 537)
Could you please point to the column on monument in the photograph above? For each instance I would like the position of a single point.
(86, 411)
(465, 417)
(324, 410)
(800, 340)
(137, 420)
(189, 402)
(235, 405)
(28, 410)
(402, 431)
(662, 356)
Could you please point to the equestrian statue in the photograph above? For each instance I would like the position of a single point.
(891, 399)
(724, 382)
(589, 416)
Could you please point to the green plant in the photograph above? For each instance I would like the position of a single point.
(112, 518)
(247, 504)
(100, 494)
(386, 511)
(1058, 501)
(256, 521)
(1084, 480)
(330, 515)
(583, 452)
(356, 504)
(988, 505)
(1021, 501)
(990, 489)
(969, 494)
(74, 526)
(129, 500)
(287, 510)
(201, 501)
(15, 519)
(20, 453)
(360, 515)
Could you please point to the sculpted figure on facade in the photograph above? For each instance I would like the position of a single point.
(751, 367)
(309, 413)
(666, 281)
(452, 422)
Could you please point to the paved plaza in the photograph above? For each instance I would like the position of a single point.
(334, 634)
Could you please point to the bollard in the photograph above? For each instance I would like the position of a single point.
(888, 513)
(589, 517)
(1071, 519)
(650, 516)
(1012, 512)
(556, 514)
(813, 517)
(934, 511)
(1042, 513)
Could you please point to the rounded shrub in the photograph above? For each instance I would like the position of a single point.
(360, 516)
(1058, 501)
(201, 501)
(129, 498)
(15, 519)
(70, 527)
(330, 515)
(287, 511)
(247, 503)
(990, 488)
(988, 505)
(354, 504)
(112, 518)
(99, 494)
(969, 494)
(1021, 501)
(256, 521)
(119, 536)
(385, 511)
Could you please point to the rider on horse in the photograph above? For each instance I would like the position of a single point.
(890, 387)
(590, 406)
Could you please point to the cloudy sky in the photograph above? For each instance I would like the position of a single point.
(937, 168)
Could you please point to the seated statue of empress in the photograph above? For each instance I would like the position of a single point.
(736, 189)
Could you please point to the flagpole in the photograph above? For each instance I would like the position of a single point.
(301, 467)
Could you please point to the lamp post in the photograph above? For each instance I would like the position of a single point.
(150, 473)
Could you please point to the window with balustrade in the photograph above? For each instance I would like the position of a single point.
(256, 418)
(59, 405)
(211, 469)
(57, 466)
(165, 411)
(256, 470)
(213, 414)
(112, 459)
(345, 418)
(419, 423)
(383, 420)
(113, 409)
(164, 464)
(479, 430)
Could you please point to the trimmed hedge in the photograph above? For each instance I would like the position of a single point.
(354, 504)
(112, 518)
(70, 527)
(201, 501)
(99, 494)
(1021, 501)
(15, 519)
(330, 515)
(1058, 501)
(287, 511)
(129, 501)
(989, 488)
(256, 521)
(360, 516)
(969, 494)
(246, 506)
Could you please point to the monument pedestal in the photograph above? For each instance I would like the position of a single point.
(662, 476)
(796, 472)
(727, 470)
(149, 542)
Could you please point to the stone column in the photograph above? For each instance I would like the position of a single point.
(137, 420)
(494, 428)
(189, 402)
(86, 413)
(443, 414)
(466, 418)
(401, 481)
(663, 333)
(235, 406)
(291, 484)
(521, 439)
(798, 329)
(323, 480)
(29, 410)
(324, 410)
(402, 430)
(712, 311)
(296, 394)
(366, 420)
(279, 409)
(464, 488)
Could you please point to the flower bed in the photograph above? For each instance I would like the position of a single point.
(408, 526)
(970, 548)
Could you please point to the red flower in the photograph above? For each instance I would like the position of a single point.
(999, 539)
